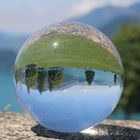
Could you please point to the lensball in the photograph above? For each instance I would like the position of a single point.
(68, 77)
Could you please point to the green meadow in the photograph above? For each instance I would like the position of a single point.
(68, 51)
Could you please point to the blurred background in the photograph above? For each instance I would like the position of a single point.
(118, 19)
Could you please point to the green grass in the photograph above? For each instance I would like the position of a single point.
(6, 108)
(72, 51)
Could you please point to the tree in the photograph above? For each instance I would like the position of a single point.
(42, 73)
(30, 76)
(115, 78)
(55, 77)
(127, 41)
(89, 76)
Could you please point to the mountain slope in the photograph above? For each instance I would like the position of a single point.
(112, 27)
(109, 19)
(100, 16)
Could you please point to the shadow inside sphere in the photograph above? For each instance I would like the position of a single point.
(100, 132)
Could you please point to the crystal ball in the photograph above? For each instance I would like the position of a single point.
(68, 77)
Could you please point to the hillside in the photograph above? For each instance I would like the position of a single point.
(109, 19)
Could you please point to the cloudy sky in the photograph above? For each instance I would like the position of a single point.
(30, 15)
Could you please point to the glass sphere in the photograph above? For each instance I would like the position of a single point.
(68, 77)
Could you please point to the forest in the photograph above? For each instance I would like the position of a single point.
(127, 41)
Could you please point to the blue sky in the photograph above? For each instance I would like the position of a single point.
(30, 15)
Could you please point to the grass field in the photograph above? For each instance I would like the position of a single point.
(68, 51)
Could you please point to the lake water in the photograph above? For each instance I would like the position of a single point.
(7, 92)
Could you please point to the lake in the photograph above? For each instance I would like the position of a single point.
(7, 92)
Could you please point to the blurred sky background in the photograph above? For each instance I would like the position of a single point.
(27, 16)
(19, 19)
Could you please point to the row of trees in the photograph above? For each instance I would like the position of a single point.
(43, 79)
(51, 78)
(127, 40)
(36, 77)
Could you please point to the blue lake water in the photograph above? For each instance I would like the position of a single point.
(7, 92)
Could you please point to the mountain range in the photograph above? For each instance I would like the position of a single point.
(108, 19)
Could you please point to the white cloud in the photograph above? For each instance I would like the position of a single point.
(86, 6)
(122, 3)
